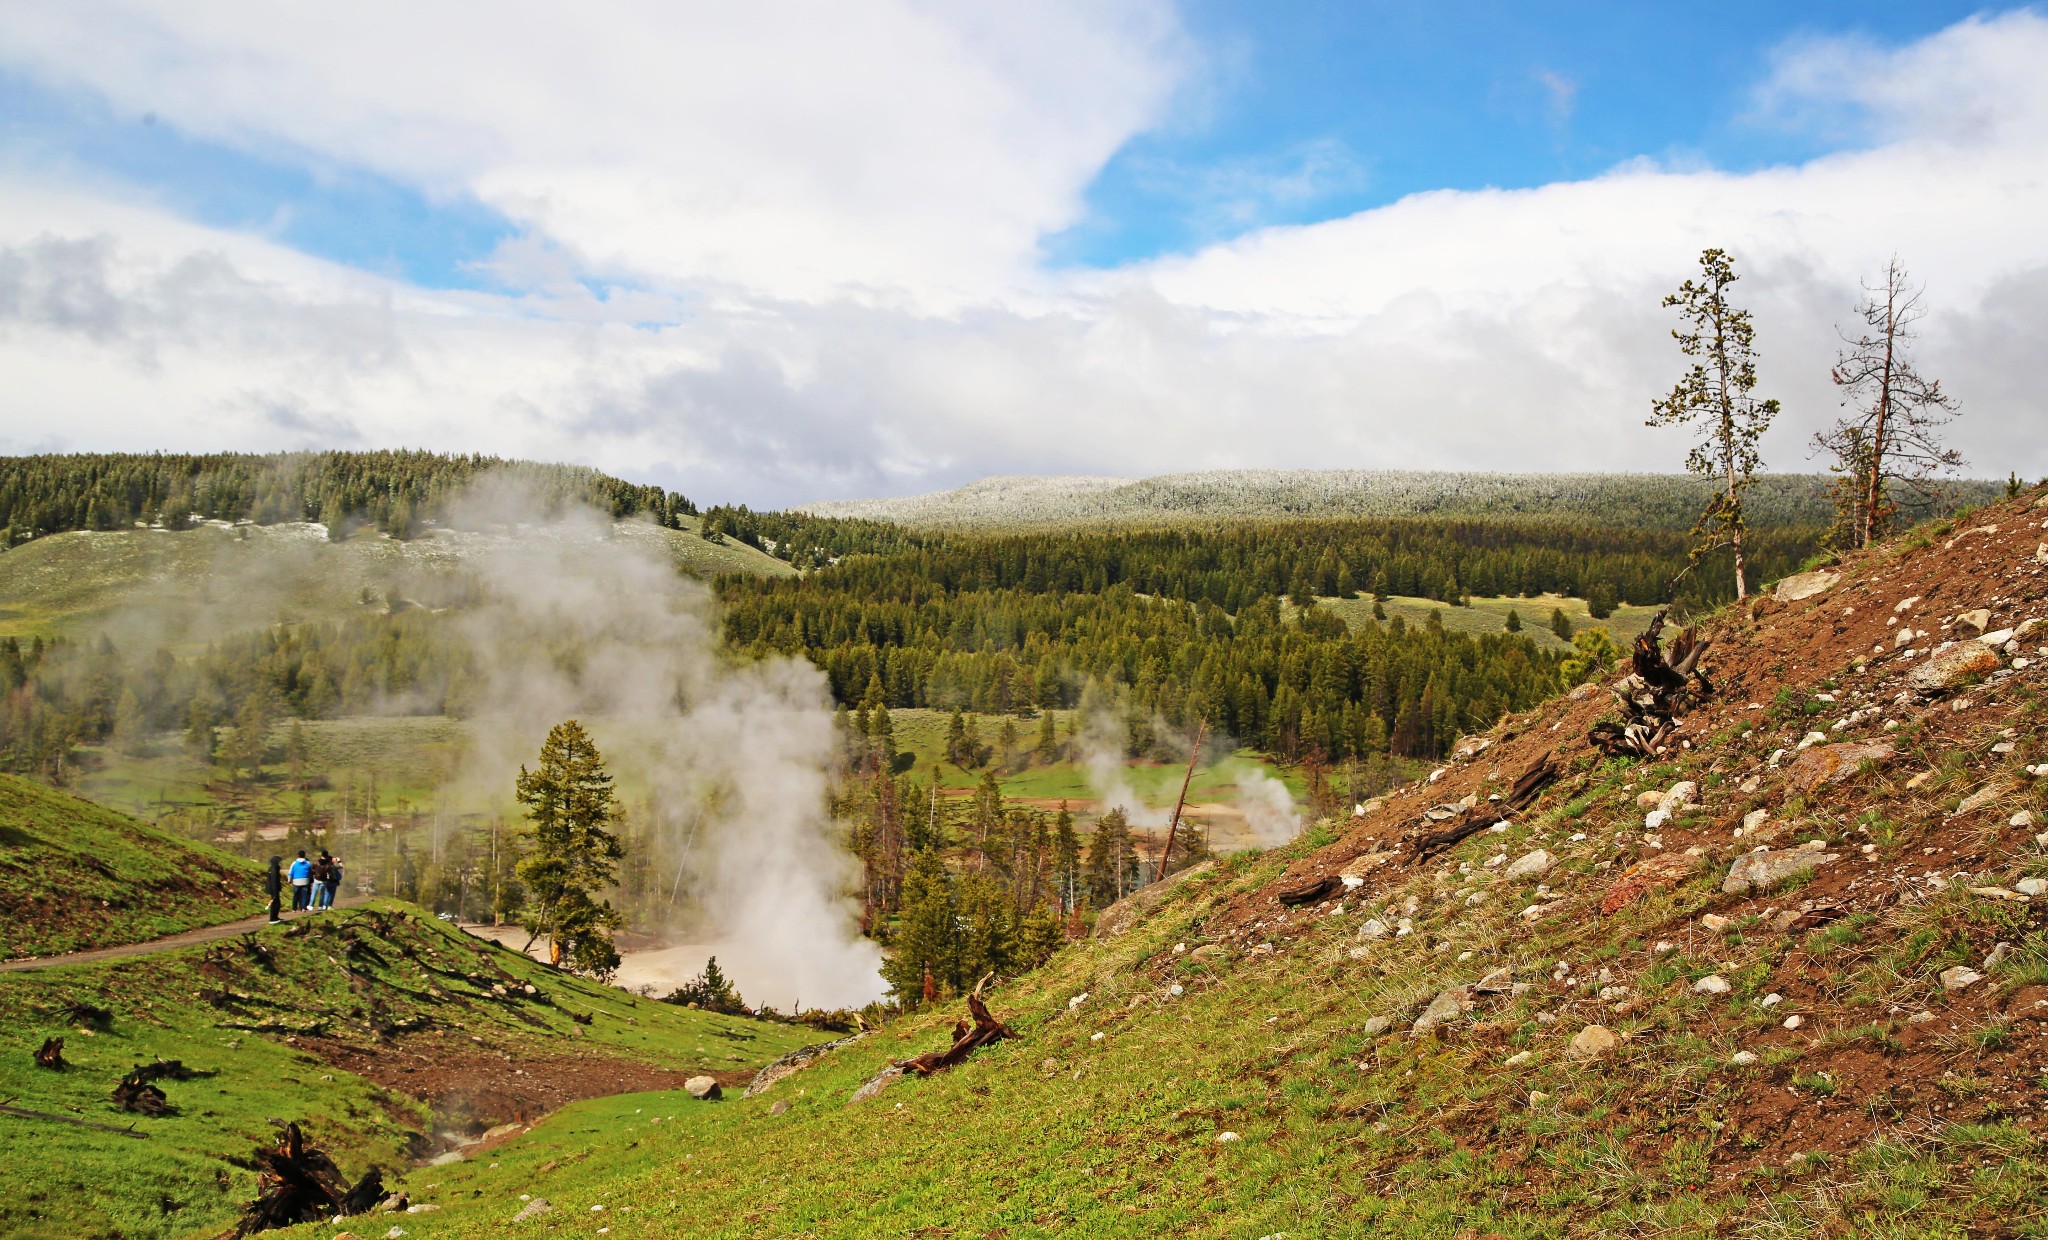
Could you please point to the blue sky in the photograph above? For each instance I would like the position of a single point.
(1377, 100)
(1300, 112)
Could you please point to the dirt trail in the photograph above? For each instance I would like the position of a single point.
(187, 938)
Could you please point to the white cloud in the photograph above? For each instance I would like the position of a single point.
(880, 326)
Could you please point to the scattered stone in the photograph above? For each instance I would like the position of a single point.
(1517, 1059)
(1959, 977)
(1920, 1017)
(1742, 1059)
(1684, 793)
(1374, 928)
(1498, 982)
(1805, 585)
(1793, 1022)
(534, 1209)
(1772, 1000)
(1830, 764)
(1448, 1005)
(703, 1089)
(2032, 886)
(1225, 1138)
(2025, 818)
(1712, 984)
(1537, 1097)
(1649, 800)
(1999, 893)
(1715, 921)
(1764, 869)
(1752, 820)
(1657, 873)
(1948, 669)
(1983, 796)
(781, 1106)
(1594, 1042)
(1376, 1025)
(1977, 620)
(1529, 865)
(1354, 874)
(1997, 956)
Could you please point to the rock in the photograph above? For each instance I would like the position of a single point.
(1594, 1042)
(1742, 1059)
(1754, 819)
(1997, 637)
(1134, 908)
(1771, 1000)
(1715, 921)
(1712, 984)
(1948, 669)
(1648, 800)
(1997, 956)
(1976, 621)
(1683, 793)
(2032, 886)
(781, 1105)
(1831, 764)
(1999, 893)
(703, 1089)
(1354, 873)
(1580, 693)
(1920, 1018)
(534, 1209)
(1983, 796)
(1959, 977)
(1764, 869)
(1655, 819)
(1657, 873)
(1517, 1059)
(1537, 1097)
(1805, 585)
(1498, 982)
(2025, 818)
(1793, 1022)
(1374, 1026)
(1374, 928)
(1225, 1138)
(1448, 1005)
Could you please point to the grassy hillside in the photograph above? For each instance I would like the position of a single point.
(1623, 1035)
(215, 579)
(386, 1033)
(74, 875)
(1651, 501)
(1490, 615)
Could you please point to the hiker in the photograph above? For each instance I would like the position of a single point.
(302, 880)
(273, 883)
(323, 876)
(333, 879)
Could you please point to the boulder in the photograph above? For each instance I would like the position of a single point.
(1766, 868)
(1659, 872)
(1948, 668)
(703, 1089)
(1959, 977)
(1134, 908)
(1529, 865)
(1830, 764)
(1594, 1042)
(1976, 621)
(1805, 585)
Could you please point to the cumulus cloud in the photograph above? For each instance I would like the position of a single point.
(869, 316)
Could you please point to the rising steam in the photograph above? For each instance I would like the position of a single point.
(578, 621)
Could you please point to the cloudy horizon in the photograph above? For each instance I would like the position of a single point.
(789, 253)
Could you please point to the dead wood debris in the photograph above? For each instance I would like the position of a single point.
(1658, 686)
(967, 1038)
(297, 1183)
(1521, 795)
(136, 1093)
(51, 1055)
(1308, 892)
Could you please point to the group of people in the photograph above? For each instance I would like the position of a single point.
(314, 882)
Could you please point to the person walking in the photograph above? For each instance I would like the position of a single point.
(323, 875)
(273, 883)
(333, 879)
(302, 881)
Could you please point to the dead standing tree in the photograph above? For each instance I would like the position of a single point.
(1891, 432)
(1719, 390)
(1660, 683)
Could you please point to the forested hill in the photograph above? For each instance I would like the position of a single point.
(395, 491)
(1641, 501)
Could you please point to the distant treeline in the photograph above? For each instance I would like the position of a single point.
(807, 541)
(393, 491)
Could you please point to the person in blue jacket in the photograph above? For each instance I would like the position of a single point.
(302, 880)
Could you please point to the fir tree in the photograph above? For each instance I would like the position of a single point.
(572, 852)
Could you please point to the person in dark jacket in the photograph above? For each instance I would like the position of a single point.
(333, 879)
(273, 883)
(323, 883)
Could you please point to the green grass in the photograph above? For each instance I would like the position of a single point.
(343, 972)
(75, 875)
(1490, 615)
(209, 581)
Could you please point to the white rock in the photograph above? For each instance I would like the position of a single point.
(1712, 984)
(2025, 818)
(1754, 819)
(1655, 819)
(1959, 977)
(1529, 865)
(1097, 1036)
(1374, 928)
(1742, 1059)
(1715, 921)
(1518, 1059)
(2032, 886)
(1772, 1000)
(1793, 1022)
(1225, 1138)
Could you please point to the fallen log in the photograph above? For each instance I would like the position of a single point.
(1467, 824)
(1660, 683)
(1530, 783)
(25, 1113)
(1309, 892)
(51, 1055)
(966, 1040)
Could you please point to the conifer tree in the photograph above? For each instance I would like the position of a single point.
(572, 852)
(1718, 390)
(926, 934)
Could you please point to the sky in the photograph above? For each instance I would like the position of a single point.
(782, 251)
